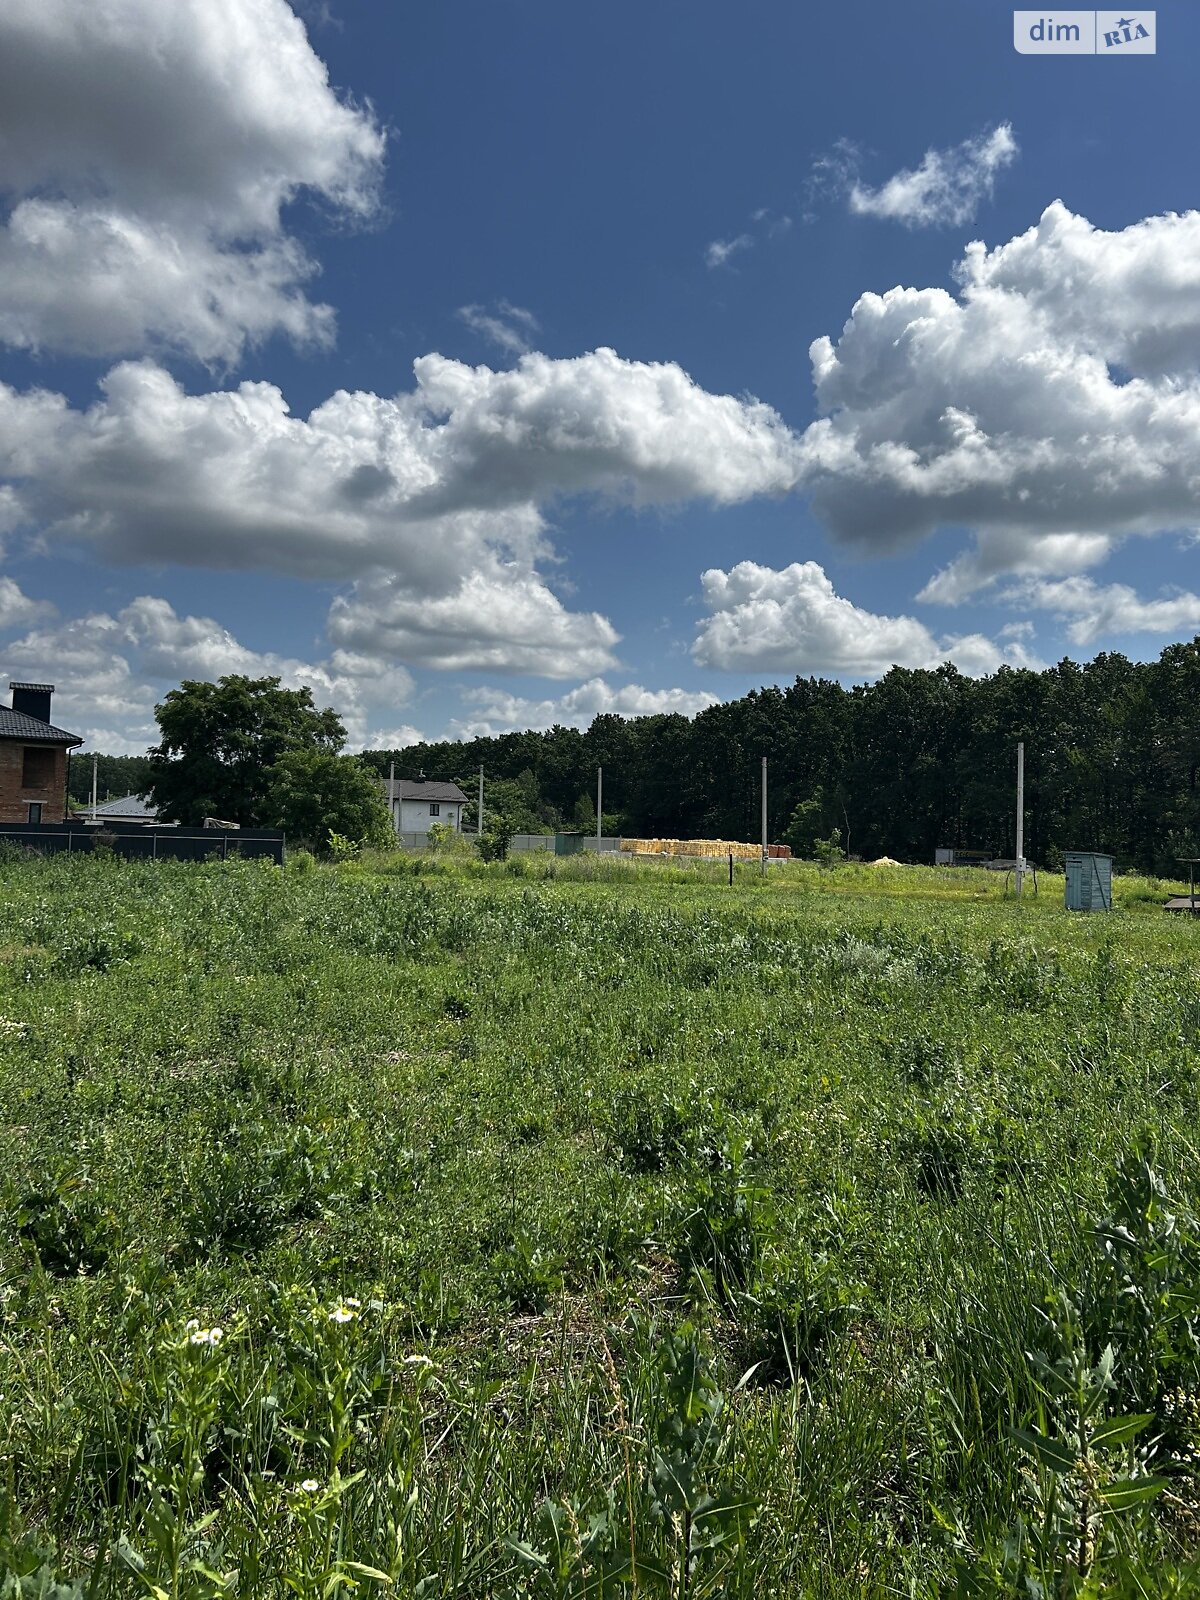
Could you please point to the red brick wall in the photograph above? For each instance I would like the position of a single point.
(14, 799)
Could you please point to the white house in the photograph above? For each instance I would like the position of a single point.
(130, 808)
(417, 804)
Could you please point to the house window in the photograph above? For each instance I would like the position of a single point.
(37, 768)
(435, 809)
(35, 811)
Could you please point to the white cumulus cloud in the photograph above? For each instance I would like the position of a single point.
(147, 152)
(17, 610)
(231, 478)
(432, 500)
(1093, 611)
(1024, 408)
(1132, 294)
(111, 670)
(946, 189)
(763, 619)
(499, 618)
(90, 280)
(492, 711)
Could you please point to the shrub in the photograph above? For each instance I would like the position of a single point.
(493, 843)
(796, 1310)
(828, 852)
(72, 1229)
(725, 1217)
(448, 841)
(246, 1187)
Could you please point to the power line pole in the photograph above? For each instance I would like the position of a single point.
(599, 805)
(94, 788)
(764, 813)
(480, 830)
(1020, 868)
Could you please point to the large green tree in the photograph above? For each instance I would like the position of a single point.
(221, 741)
(314, 793)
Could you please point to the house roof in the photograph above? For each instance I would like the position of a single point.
(129, 805)
(17, 725)
(423, 789)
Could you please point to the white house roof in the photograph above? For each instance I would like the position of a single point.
(133, 807)
(423, 789)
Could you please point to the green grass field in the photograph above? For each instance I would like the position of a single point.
(427, 1228)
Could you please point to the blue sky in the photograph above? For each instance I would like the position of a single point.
(230, 233)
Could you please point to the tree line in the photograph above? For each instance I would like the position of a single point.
(898, 767)
(918, 759)
(116, 777)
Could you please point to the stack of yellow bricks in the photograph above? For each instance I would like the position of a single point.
(692, 847)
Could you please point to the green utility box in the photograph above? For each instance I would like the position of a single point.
(1089, 881)
(568, 844)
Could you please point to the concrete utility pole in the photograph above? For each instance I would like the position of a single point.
(392, 798)
(764, 814)
(480, 830)
(599, 805)
(1020, 868)
(94, 788)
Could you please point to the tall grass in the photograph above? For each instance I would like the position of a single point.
(805, 877)
(593, 1227)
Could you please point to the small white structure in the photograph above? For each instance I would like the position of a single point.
(417, 804)
(129, 808)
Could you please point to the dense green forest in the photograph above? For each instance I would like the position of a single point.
(913, 761)
(116, 776)
(897, 767)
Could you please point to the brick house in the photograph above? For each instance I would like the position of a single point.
(33, 757)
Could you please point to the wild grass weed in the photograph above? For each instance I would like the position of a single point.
(416, 1227)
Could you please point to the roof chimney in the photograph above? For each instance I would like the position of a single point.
(32, 699)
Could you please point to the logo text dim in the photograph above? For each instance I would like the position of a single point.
(1084, 33)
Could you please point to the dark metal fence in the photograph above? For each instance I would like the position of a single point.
(136, 841)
